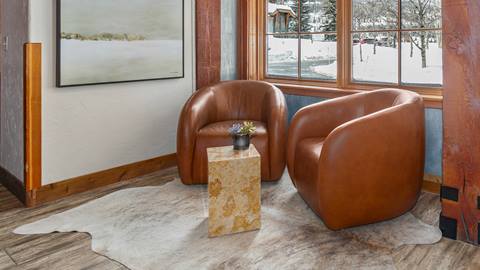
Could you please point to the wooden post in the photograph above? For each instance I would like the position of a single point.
(251, 39)
(208, 42)
(33, 116)
(461, 108)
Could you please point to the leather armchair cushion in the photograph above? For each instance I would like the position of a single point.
(216, 135)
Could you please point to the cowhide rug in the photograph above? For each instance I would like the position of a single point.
(165, 227)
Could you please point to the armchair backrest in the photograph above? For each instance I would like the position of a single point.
(235, 100)
(323, 119)
(385, 98)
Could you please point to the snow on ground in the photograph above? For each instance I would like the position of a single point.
(107, 61)
(282, 50)
(412, 71)
(283, 55)
(383, 66)
(379, 67)
(286, 50)
(319, 61)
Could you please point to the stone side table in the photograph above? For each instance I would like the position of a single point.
(234, 188)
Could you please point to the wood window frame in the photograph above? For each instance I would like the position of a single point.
(252, 58)
(298, 34)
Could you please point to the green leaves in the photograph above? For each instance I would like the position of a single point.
(247, 128)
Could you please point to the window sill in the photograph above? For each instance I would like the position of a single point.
(431, 97)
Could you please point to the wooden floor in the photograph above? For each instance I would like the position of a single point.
(72, 250)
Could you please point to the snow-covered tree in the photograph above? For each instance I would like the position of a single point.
(330, 15)
(319, 16)
(306, 12)
(421, 14)
(359, 15)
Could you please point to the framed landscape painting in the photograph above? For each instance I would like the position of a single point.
(111, 41)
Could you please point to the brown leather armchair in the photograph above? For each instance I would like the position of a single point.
(211, 111)
(359, 159)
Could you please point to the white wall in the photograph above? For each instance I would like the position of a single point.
(89, 129)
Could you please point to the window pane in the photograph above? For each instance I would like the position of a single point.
(374, 14)
(282, 55)
(282, 16)
(421, 14)
(375, 57)
(422, 58)
(318, 16)
(319, 57)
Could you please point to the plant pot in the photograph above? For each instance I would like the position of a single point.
(241, 142)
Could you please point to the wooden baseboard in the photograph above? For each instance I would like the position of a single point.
(432, 183)
(431, 187)
(13, 184)
(91, 181)
(99, 179)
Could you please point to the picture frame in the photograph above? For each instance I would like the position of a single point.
(85, 55)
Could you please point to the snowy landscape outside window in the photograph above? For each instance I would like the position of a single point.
(377, 54)
(304, 45)
(393, 42)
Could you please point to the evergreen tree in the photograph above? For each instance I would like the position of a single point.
(330, 13)
(318, 16)
(293, 24)
(306, 12)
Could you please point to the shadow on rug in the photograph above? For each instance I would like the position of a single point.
(165, 227)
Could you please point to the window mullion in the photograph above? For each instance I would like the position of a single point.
(343, 44)
(399, 37)
(299, 25)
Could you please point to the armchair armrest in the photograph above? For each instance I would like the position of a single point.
(276, 120)
(198, 111)
(361, 156)
(319, 119)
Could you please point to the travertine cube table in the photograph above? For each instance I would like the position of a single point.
(234, 188)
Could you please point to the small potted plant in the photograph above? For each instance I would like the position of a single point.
(241, 134)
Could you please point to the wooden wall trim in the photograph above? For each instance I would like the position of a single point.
(461, 113)
(431, 187)
(13, 184)
(33, 115)
(433, 178)
(91, 181)
(432, 183)
(250, 39)
(330, 92)
(242, 40)
(208, 42)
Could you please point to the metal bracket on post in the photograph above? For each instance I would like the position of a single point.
(449, 193)
(448, 226)
(5, 43)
